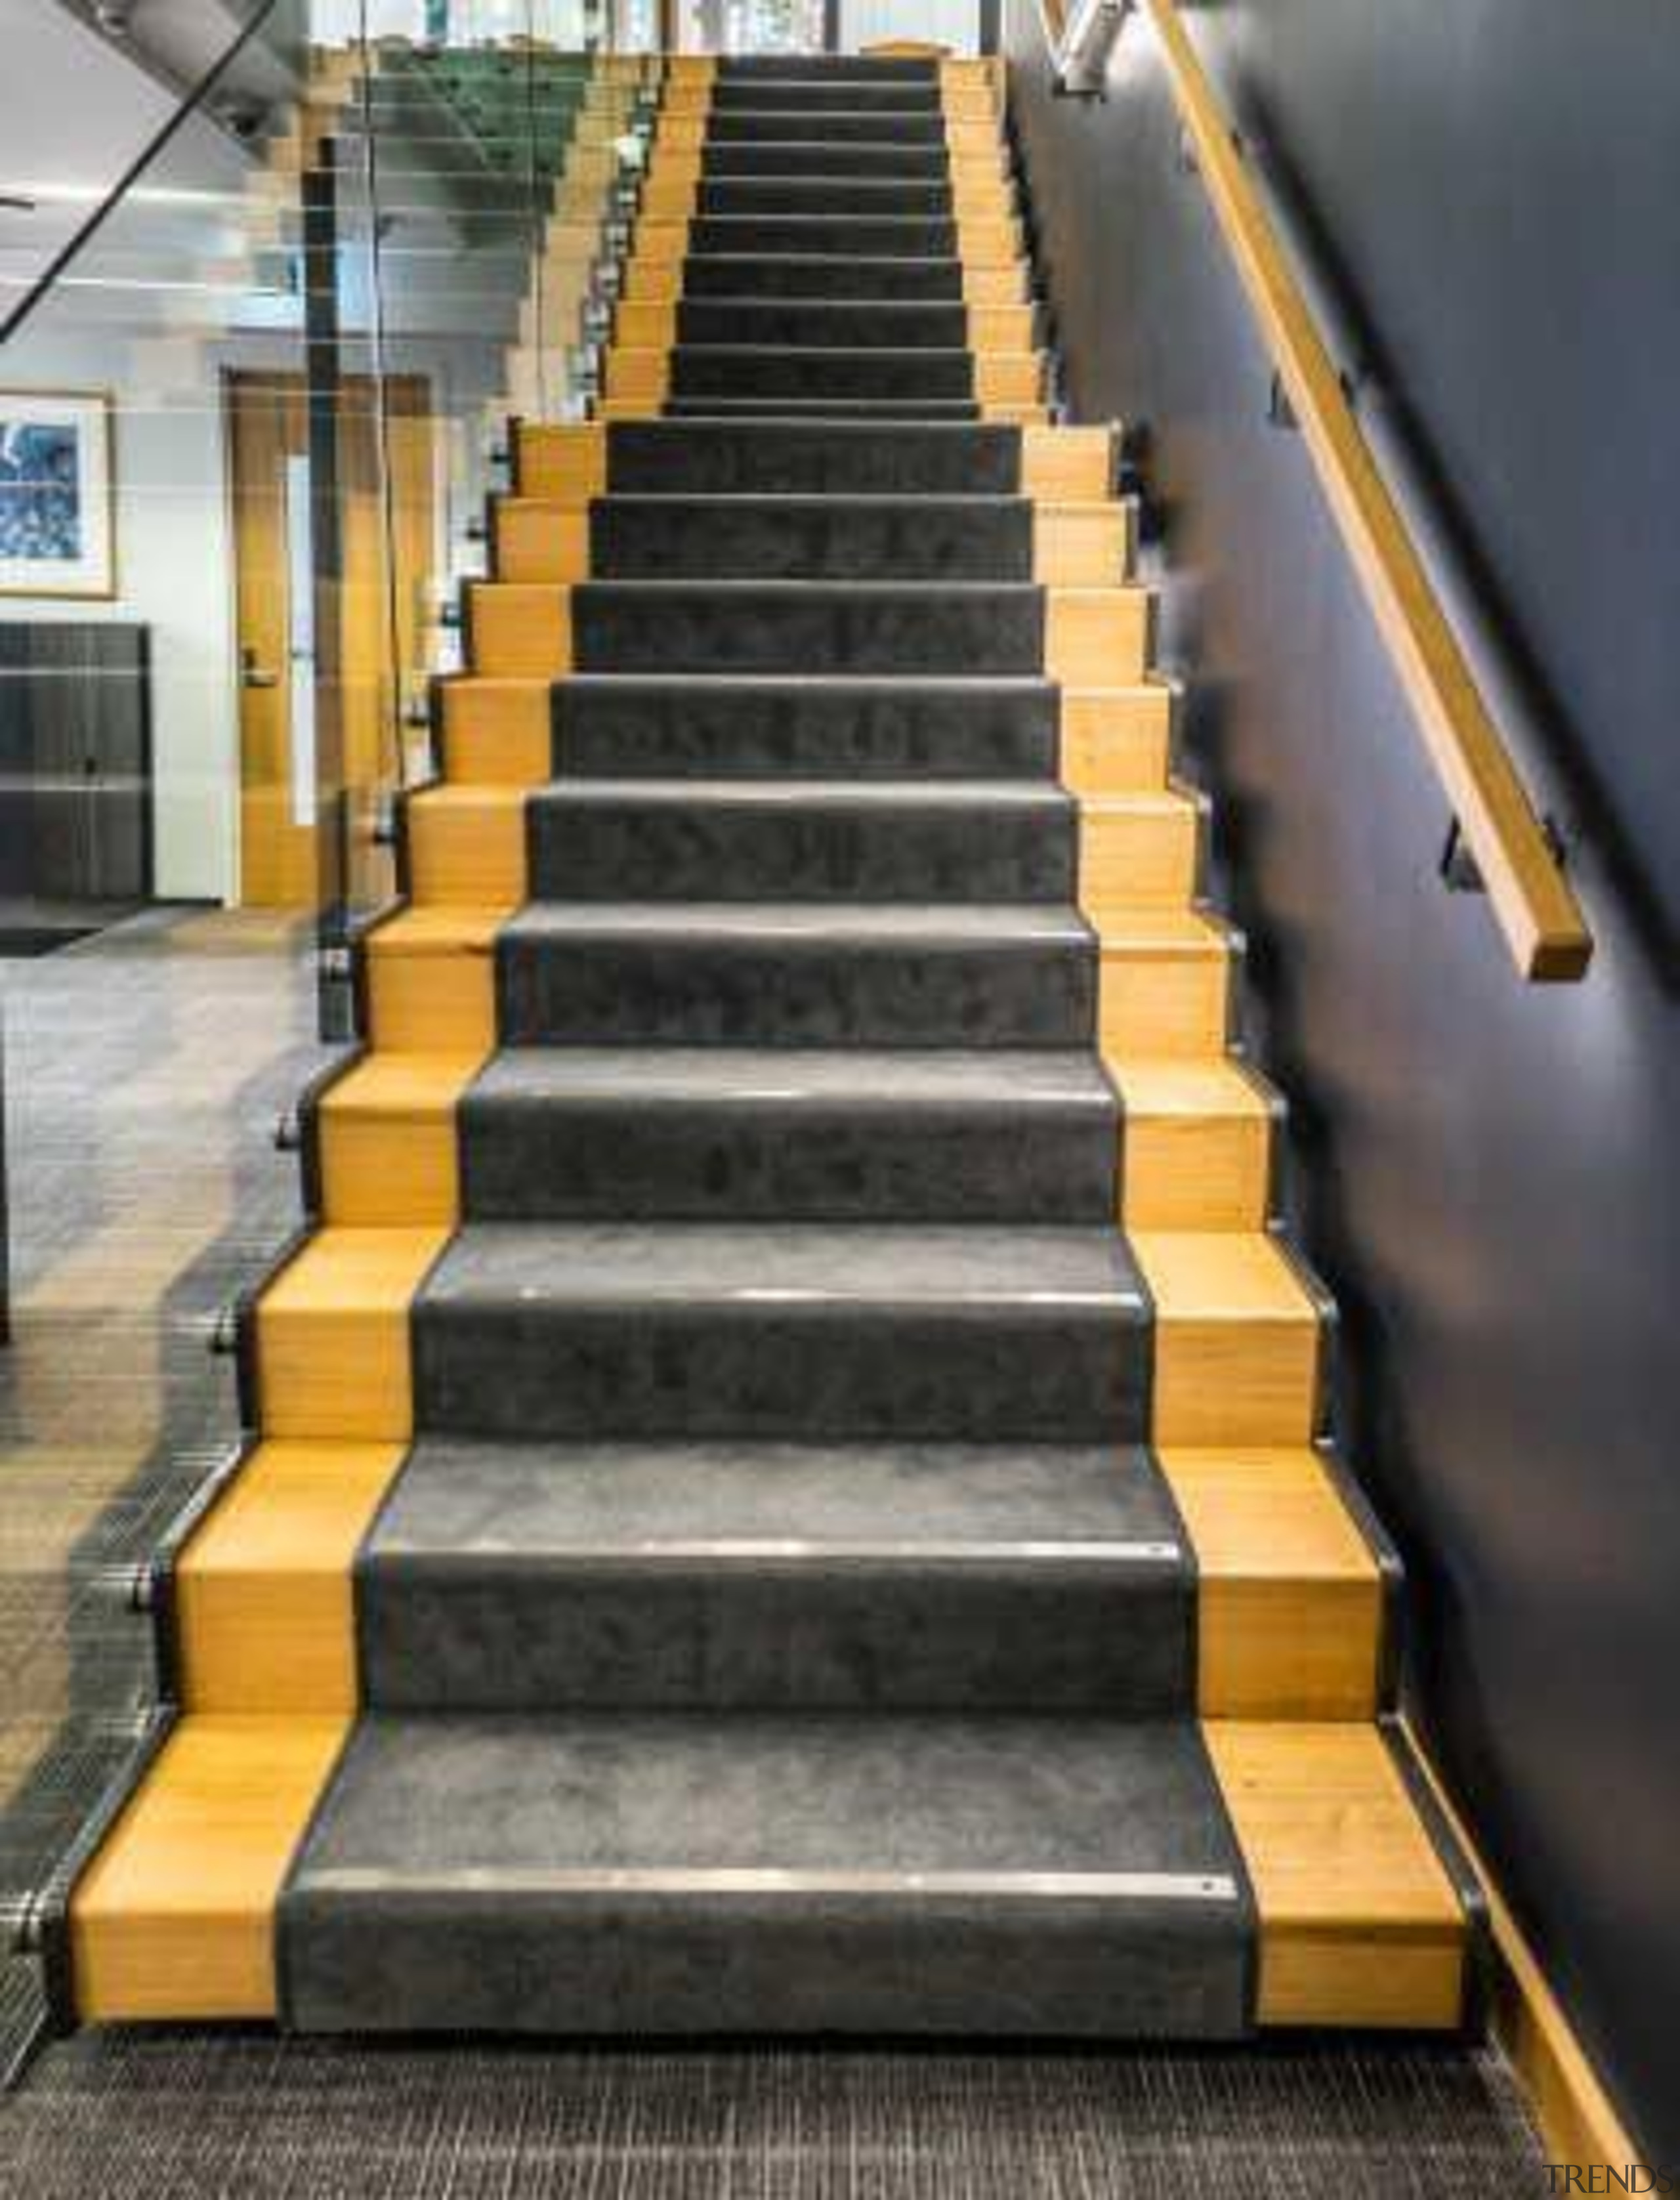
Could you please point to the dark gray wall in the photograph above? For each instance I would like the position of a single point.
(1489, 1174)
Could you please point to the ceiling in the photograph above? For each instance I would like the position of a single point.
(76, 109)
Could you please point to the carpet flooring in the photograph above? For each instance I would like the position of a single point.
(179, 2113)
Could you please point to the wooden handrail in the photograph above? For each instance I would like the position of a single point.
(1534, 902)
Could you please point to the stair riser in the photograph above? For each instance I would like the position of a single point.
(1234, 1382)
(830, 69)
(802, 1372)
(914, 163)
(970, 634)
(769, 1161)
(970, 199)
(526, 731)
(990, 251)
(734, 126)
(396, 1170)
(1132, 857)
(632, 729)
(816, 101)
(821, 385)
(807, 109)
(973, 143)
(1172, 1006)
(594, 849)
(571, 844)
(425, 1004)
(1084, 637)
(474, 857)
(912, 540)
(844, 237)
(814, 461)
(835, 327)
(979, 178)
(752, 195)
(496, 734)
(722, 1162)
(1039, 1965)
(626, 991)
(718, 276)
(1073, 1636)
(953, 410)
(827, 69)
(809, 539)
(875, 375)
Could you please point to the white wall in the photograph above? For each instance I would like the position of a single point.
(174, 573)
(953, 23)
(342, 22)
(74, 112)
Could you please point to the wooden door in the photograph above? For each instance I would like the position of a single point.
(386, 518)
(386, 521)
(279, 866)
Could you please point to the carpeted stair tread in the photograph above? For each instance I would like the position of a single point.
(868, 196)
(654, 1873)
(640, 1267)
(742, 1133)
(523, 1505)
(775, 124)
(884, 236)
(525, 1577)
(911, 538)
(618, 726)
(783, 1331)
(897, 924)
(812, 458)
(785, 839)
(722, 973)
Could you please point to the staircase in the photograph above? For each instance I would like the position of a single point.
(786, 1490)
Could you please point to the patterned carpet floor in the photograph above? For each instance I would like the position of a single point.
(106, 2118)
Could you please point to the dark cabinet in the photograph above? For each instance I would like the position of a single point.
(75, 762)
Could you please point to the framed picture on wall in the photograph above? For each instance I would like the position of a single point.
(57, 494)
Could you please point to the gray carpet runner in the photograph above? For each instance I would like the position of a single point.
(781, 1622)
